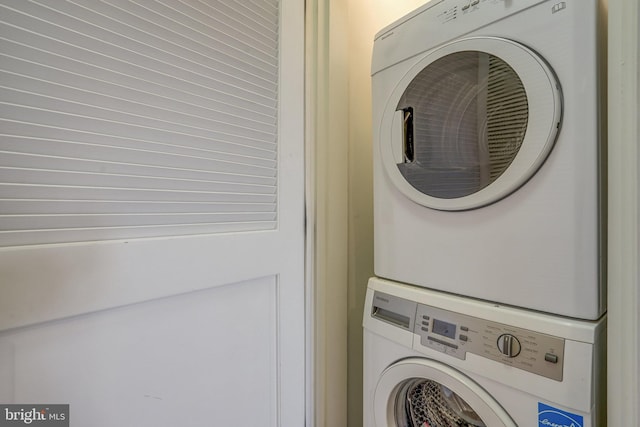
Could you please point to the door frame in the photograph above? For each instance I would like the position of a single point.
(327, 138)
(624, 214)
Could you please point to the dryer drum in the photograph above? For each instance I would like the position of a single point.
(426, 403)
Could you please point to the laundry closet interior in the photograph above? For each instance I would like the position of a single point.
(415, 244)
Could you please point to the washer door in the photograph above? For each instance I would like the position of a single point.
(470, 123)
(425, 393)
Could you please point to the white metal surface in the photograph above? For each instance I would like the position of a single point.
(540, 247)
(505, 389)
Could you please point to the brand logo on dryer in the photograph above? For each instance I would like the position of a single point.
(548, 416)
(558, 7)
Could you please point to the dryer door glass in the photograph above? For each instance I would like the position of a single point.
(426, 403)
(465, 117)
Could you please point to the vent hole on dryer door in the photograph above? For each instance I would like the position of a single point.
(468, 115)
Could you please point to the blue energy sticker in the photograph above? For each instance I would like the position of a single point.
(548, 416)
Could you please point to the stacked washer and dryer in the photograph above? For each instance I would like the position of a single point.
(489, 308)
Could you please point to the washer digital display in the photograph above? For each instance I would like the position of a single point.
(443, 328)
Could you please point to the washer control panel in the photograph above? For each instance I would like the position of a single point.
(458, 334)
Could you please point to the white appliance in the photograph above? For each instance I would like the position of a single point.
(432, 359)
(488, 127)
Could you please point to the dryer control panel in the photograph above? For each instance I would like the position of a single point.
(457, 334)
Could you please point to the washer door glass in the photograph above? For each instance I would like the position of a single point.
(425, 403)
(470, 123)
(419, 392)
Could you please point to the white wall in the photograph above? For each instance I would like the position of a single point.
(327, 156)
(365, 19)
(339, 43)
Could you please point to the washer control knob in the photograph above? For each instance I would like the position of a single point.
(509, 345)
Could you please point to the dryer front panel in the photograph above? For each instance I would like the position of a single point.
(489, 179)
(470, 123)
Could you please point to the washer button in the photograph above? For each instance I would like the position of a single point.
(464, 338)
(553, 358)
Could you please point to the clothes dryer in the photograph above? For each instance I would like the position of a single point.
(436, 360)
(489, 126)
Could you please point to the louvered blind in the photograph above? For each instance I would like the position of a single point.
(127, 119)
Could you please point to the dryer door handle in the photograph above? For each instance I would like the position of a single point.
(407, 135)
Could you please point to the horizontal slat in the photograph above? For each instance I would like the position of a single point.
(65, 120)
(195, 31)
(14, 161)
(153, 172)
(160, 142)
(39, 53)
(171, 78)
(213, 42)
(79, 192)
(46, 222)
(110, 30)
(34, 78)
(40, 237)
(73, 165)
(44, 104)
(246, 15)
(33, 207)
(90, 42)
(200, 28)
(221, 162)
(100, 180)
(224, 20)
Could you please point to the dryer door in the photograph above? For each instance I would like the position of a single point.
(425, 393)
(470, 123)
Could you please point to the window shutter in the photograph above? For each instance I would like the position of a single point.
(122, 120)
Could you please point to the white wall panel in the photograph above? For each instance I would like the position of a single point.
(153, 348)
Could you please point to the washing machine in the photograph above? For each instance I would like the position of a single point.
(489, 140)
(433, 359)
